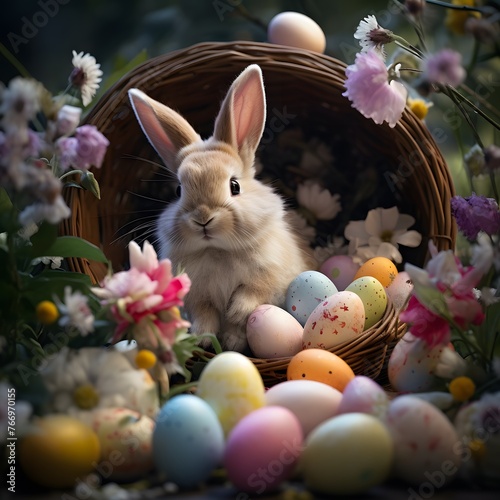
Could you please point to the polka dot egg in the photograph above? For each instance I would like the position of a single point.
(374, 298)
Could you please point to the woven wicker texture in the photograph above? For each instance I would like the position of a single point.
(304, 86)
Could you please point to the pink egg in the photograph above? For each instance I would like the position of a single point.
(340, 269)
(363, 395)
(262, 449)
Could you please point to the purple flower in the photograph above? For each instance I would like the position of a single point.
(474, 214)
(86, 149)
(445, 67)
(371, 92)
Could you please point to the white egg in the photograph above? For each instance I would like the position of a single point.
(426, 445)
(273, 333)
(338, 319)
(400, 289)
(296, 30)
(312, 402)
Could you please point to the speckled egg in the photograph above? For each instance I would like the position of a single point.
(347, 454)
(372, 293)
(232, 386)
(341, 269)
(305, 292)
(262, 449)
(339, 318)
(272, 332)
(381, 268)
(296, 30)
(188, 441)
(321, 366)
(412, 364)
(126, 443)
(400, 289)
(310, 401)
(427, 447)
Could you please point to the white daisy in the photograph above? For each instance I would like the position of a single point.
(20, 102)
(372, 36)
(75, 311)
(381, 233)
(85, 76)
(318, 200)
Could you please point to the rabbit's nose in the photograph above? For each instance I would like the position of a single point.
(204, 224)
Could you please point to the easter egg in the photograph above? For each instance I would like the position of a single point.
(296, 30)
(232, 386)
(305, 292)
(339, 318)
(125, 438)
(340, 269)
(321, 366)
(347, 454)
(262, 449)
(400, 289)
(381, 268)
(273, 333)
(412, 364)
(426, 444)
(364, 395)
(374, 298)
(56, 450)
(310, 401)
(188, 441)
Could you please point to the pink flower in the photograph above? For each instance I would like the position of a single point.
(371, 90)
(425, 324)
(83, 151)
(443, 292)
(145, 298)
(445, 67)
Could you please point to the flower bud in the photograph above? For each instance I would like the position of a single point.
(68, 119)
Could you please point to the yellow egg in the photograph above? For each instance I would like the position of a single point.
(372, 293)
(296, 30)
(347, 454)
(232, 386)
(380, 268)
(322, 366)
(57, 450)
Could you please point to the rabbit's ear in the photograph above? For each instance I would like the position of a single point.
(241, 119)
(166, 130)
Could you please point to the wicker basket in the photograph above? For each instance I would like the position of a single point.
(300, 84)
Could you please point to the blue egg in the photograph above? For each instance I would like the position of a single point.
(305, 292)
(188, 441)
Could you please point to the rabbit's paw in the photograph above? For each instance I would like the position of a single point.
(235, 340)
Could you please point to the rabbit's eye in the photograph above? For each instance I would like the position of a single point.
(235, 187)
(178, 191)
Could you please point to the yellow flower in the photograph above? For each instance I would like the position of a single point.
(462, 388)
(477, 448)
(419, 107)
(456, 19)
(47, 312)
(145, 359)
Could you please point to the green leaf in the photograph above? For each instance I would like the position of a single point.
(70, 246)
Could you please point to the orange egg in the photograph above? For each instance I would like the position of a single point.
(322, 366)
(380, 268)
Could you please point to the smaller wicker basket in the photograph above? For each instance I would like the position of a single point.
(309, 87)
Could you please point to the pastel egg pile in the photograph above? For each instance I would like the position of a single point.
(328, 307)
(337, 432)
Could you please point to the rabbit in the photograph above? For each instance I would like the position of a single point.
(227, 230)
